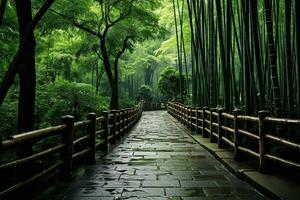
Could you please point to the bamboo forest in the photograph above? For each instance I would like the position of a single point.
(149, 99)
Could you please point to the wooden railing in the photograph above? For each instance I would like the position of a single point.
(100, 131)
(154, 106)
(228, 130)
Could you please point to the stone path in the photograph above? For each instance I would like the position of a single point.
(156, 161)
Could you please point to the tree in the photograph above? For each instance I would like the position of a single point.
(272, 57)
(144, 93)
(169, 83)
(24, 64)
(120, 24)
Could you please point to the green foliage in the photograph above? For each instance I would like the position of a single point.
(144, 93)
(66, 54)
(169, 83)
(8, 113)
(65, 98)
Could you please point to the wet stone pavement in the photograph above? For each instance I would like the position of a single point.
(156, 161)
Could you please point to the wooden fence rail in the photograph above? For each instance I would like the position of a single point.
(100, 131)
(154, 106)
(211, 123)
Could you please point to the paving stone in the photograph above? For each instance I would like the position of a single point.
(196, 184)
(185, 192)
(165, 184)
(143, 192)
(155, 161)
(89, 198)
(122, 184)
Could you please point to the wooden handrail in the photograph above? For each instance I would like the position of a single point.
(119, 121)
(209, 121)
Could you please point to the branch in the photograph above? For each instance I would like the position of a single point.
(122, 16)
(15, 65)
(106, 61)
(86, 29)
(98, 55)
(120, 53)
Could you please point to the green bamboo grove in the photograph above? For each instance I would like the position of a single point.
(244, 54)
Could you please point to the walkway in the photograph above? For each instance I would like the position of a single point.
(156, 161)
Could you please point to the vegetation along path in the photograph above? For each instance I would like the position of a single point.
(157, 160)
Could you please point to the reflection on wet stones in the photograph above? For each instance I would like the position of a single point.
(156, 161)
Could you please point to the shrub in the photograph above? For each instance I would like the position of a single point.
(144, 93)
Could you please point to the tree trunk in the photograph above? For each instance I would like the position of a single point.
(297, 23)
(26, 74)
(114, 99)
(273, 58)
(256, 41)
(178, 54)
(288, 58)
(212, 55)
(246, 59)
(225, 56)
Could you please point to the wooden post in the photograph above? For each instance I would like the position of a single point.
(221, 143)
(204, 133)
(188, 119)
(120, 123)
(91, 131)
(236, 136)
(190, 116)
(192, 120)
(126, 120)
(113, 123)
(177, 111)
(168, 111)
(118, 127)
(104, 136)
(185, 116)
(132, 116)
(67, 154)
(212, 138)
(123, 123)
(181, 113)
(263, 146)
(197, 120)
(185, 121)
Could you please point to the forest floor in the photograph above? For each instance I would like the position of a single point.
(156, 160)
